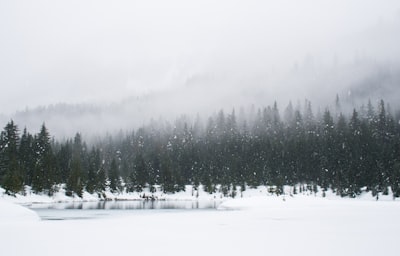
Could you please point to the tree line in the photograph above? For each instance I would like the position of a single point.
(347, 153)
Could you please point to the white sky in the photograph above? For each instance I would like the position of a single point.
(92, 51)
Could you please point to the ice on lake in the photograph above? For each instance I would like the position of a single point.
(102, 209)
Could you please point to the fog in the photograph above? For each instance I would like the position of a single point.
(126, 62)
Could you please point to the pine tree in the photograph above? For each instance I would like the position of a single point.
(101, 177)
(167, 179)
(289, 113)
(113, 176)
(75, 183)
(355, 170)
(139, 173)
(341, 153)
(327, 150)
(386, 157)
(94, 167)
(338, 107)
(64, 159)
(27, 156)
(44, 172)
(10, 170)
(395, 179)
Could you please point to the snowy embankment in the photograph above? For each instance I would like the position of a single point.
(10, 212)
(190, 194)
(29, 197)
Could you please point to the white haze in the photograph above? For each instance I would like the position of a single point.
(136, 60)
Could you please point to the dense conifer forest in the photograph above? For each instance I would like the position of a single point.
(347, 153)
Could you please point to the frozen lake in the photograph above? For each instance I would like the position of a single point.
(93, 210)
(300, 225)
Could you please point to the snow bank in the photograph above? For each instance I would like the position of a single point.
(10, 212)
(190, 194)
(252, 203)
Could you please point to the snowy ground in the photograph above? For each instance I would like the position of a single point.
(189, 194)
(253, 225)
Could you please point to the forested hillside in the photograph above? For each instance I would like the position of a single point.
(344, 152)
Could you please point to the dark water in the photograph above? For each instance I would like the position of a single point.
(92, 210)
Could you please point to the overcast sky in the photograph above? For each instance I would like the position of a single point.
(93, 51)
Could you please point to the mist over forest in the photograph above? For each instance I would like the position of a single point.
(205, 94)
(97, 67)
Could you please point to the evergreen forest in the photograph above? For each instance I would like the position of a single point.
(345, 152)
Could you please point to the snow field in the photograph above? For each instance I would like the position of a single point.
(264, 225)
